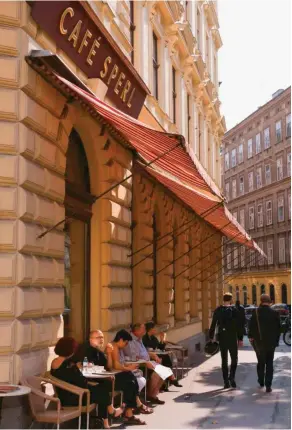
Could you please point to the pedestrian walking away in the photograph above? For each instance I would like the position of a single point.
(264, 335)
(241, 322)
(225, 317)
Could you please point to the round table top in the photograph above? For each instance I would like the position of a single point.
(22, 390)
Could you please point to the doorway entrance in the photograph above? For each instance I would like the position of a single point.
(78, 202)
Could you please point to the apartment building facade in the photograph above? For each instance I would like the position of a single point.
(256, 166)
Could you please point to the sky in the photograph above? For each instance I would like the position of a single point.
(255, 59)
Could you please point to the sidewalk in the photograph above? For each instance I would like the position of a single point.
(202, 403)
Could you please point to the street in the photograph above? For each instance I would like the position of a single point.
(202, 403)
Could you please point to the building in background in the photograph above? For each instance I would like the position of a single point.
(257, 185)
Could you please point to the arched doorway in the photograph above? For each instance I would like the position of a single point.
(254, 295)
(230, 289)
(284, 293)
(263, 289)
(78, 201)
(244, 289)
(272, 293)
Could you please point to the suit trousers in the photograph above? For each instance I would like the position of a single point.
(265, 366)
(229, 345)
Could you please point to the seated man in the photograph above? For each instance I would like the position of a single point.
(137, 351)
(150, 341)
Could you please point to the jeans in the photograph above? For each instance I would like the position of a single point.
(230, 346)
(265, 367)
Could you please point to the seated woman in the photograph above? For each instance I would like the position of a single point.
(116, 360)
(65, 369)
(150, 341)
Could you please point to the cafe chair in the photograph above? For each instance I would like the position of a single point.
(85, 409)
(40, 403)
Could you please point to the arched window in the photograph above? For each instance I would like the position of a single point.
(230, 289)
(244, 289)
(284, 293)
(263, 289)
(254, 295)
(237, 293)
(272, 293)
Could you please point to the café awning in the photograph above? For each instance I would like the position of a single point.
(178, 171)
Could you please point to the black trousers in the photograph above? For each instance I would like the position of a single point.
(265, 367)
(229, 345)
(127, 382)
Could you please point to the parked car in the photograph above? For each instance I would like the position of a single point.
(282, 308)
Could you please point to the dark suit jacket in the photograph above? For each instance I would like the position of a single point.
(270, 328)
(93, 355)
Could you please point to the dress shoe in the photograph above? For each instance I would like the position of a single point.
(226, 384)
(232, 383)
(261, 384)
(155, 401)
(269, 389)
(175, 383)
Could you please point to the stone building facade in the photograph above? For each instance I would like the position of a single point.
(257, 185)
(55, 157)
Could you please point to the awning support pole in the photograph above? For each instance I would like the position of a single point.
(168, 234)
(203, 258)
(193, 247)
(110, 189)
(177, 228)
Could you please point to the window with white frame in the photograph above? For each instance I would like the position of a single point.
(260, 257)
(278, 131)
(234, 214)
(233, 158)
(251, 217)
(270, 251)
(227, 191)
(250, 181)
(258, 143)
(289, 164)
(229, 258)
(242, 218)
(279, 169)
(226, 161)
(155, 64)
(242, 256)
(269, 212)
(260, 215)
(234, 188)
(252, 259)
(249, 148)
(281, 215)
(267, 141)
(268, 174)
(288, 125)
(235, 257)
(241, 185)
(174, 94)
(282, 258)
(240, 153)
(259, 177)
(289, 205)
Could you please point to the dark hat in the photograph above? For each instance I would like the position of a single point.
(211, 348)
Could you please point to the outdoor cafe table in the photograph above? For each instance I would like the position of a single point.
(98, 372)
(16, 390)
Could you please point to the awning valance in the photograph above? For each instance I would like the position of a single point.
(177, 170)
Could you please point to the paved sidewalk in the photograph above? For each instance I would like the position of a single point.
(203, 404)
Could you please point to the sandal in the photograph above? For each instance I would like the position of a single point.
(135, 421)
(143, 409)
(116, 413)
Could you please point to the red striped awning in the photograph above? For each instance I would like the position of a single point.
(178, 171)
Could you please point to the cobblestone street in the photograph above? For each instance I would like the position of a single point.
(202, 403)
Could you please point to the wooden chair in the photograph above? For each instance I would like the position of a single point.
(38, 401)
(85, 409)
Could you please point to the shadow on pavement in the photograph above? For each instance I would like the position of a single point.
(251, 405)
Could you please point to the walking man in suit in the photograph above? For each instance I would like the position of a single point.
(264, 334)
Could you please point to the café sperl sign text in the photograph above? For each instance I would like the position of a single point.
(72, 29)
